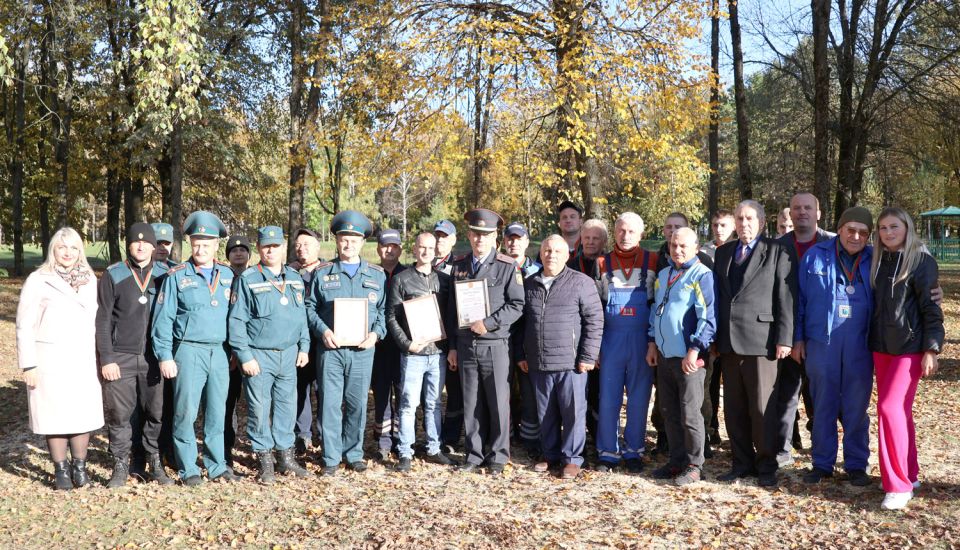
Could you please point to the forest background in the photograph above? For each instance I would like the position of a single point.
(287, 111)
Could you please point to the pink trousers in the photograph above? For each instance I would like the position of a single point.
(897, 378)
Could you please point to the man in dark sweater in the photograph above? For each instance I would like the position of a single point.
(126, 295)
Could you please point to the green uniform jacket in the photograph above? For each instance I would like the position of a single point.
(330, 282)
(187, 311)
(258, 319)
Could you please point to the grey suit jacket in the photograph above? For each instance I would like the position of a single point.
(760, 315)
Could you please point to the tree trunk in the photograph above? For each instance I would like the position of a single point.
(113, 213)
(298, 70)
(16, 164)
(713, 137)
(170, 170)
(740, 99)
(45, 233)
(821, 105)
(476, 185)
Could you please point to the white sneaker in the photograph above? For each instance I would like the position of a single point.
(896, 501)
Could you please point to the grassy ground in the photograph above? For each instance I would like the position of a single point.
(434, 506)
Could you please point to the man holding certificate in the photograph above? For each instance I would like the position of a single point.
(419, 294)
(345, 307)
(487, 298)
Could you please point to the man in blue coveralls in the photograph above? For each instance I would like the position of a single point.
(189, 338)
(268, 332)
(626, 278)
(345, 371)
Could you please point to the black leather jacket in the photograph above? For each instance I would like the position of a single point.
(905, 318)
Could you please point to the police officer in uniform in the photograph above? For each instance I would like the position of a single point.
(268, 333)
(126, 295)
(189, 338)
(306, 245)
(345, 371)
(452, 428)
(386, 362)
(481, 351)
(523, 402)
(238, 255)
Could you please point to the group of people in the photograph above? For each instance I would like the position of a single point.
(547, 355)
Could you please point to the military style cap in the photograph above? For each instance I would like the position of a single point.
(446, 227)
(515, 229)
(141, 231)
(163, 232)
(483, 220)
(569, 204)
(306, 231)
(237, 240)
(351, 222)
(270, 234)
(389, 236)
(204, 224)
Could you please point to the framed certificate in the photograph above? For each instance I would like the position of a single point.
(350, 323)
(423, 319)
(473, 302)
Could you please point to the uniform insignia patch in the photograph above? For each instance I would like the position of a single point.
(160, 298)
(372, 297)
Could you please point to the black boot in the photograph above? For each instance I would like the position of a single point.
(120, 473)
(266, 467)
(79, 471)
(157, 473)
(287, 464)
(138, 466)
(61, 476)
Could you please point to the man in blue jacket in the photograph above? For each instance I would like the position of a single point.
(682, 326)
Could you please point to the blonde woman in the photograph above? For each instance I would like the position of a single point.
(57, 355)
(906, 334)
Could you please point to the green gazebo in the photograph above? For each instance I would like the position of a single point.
(939, 228)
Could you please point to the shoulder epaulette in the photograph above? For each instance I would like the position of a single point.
(248, 271)
(117, 265)
(324, 264)
(377, 267)
(506, 259)
(178, 267)
(223, 263)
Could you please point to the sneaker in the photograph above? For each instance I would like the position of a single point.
(816, 475)
(634, 465)
(605, 467)
(858, 478)
(896, 501)
(667, 471)
(330, 471)
(691, 474)
(439, 458)
(404, 465)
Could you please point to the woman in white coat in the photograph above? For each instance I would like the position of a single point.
(57, 355)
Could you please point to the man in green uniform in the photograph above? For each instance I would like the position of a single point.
(161, 254)
(268, 332)
(189, 338)
(345, 370)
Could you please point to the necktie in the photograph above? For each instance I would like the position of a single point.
(744, 252)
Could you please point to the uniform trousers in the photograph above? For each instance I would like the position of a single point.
(897, 380)
(681, 400)
(308, 387)
(345, 381)
(484, 367)
(385, 382)
(750, 411)
(230, 422)
(203, 373)
(562, 413)
(272, 399)
(140, 388)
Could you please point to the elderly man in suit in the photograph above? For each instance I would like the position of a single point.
(755, 289)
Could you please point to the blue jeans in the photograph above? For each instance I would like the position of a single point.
(420, 372)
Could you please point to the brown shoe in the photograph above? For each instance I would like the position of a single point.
(570, 471)
(541, 466)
